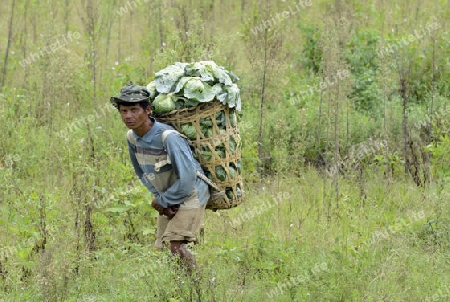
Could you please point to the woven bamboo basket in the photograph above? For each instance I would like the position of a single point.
(219, 138)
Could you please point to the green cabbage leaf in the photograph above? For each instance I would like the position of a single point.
(200, 91)
(164, 103)
(203, 69)
(166, 79)
(189, 130)
(151, 87)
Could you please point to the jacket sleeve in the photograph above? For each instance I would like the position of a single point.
(183, 164)
(139, 171)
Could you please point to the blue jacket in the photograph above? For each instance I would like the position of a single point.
(169, 171)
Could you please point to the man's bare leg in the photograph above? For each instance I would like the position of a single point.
(177, 248)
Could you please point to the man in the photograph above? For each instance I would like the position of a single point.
(164, 163)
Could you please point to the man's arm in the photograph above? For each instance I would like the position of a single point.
(183, 163)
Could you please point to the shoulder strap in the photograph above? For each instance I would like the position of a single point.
(132, 140)
(166, 161)
(167, 132)
(130, 137)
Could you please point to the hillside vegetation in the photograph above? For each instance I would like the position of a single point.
(346, 150)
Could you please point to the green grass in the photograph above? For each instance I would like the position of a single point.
(378, 249)
(294, 238)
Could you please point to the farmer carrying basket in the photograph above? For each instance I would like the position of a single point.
(189, 156)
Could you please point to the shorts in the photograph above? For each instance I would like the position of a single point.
(184, 226)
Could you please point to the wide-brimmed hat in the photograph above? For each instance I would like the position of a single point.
(131, 93)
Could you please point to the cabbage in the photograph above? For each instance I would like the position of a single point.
(206, 122)
(194, 85)
(222, 76)
(205, 152)
(221, 120)
(233, 97)
(220, 173)
(222, 96)
(207, 155)
(208, 174)
(208, 133)
(179, 104)
(203, 69)
(206, 126)
(233, 118)
(181, 83)
(166, 79)
(151, 88)
(163, 103)
(229, 193)
(182, 102)
(232, 172)
(238, 191)
(232, 145)
(189, 130)
(190, 103)
(201, 81)
(234, 78)
(197, 90)
(220, 150)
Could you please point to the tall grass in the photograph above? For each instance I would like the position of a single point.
(76, 224)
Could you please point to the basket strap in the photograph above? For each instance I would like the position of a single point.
(130, 136)
(208, 181)
(167, 132)
(199, 175)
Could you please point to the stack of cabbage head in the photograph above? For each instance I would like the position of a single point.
(184, 85)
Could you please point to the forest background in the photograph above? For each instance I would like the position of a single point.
(346, 150)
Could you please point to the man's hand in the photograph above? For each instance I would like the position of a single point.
(157, 207)
(171, 211)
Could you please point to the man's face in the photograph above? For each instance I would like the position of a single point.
(134, 116)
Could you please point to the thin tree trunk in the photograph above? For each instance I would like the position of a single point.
(130, 35)
(404, 123)
(327, 148)
(66, 15)
(25, 38)
(426, 155)
(261, 104)
(25, 29)
(119, 42)
(388, 172)
(336, 146)
(8, 45)
(108, 35)
(161, 29)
